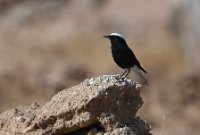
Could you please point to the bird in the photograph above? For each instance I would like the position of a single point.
(124, 56)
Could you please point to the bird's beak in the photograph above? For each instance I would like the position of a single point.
(106, 37)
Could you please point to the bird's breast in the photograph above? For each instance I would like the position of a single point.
(122, 56)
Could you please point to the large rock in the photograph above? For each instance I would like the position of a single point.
(103, 105)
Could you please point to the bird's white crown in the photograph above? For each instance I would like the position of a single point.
(116, 34)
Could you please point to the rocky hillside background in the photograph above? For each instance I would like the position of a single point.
(46, 46)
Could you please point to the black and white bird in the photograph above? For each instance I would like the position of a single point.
(124, 56)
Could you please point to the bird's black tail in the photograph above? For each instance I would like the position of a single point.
(142, 69)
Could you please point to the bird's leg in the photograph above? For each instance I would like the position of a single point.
(123, 73)
(127, 73)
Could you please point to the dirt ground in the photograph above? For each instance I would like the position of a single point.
(46, 46)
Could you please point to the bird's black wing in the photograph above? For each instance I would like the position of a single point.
(124, 57)
(134, 60)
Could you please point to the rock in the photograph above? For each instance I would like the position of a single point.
(98, 106)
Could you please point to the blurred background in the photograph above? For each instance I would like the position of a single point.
(49, 45)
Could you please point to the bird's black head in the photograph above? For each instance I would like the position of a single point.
(116, 39)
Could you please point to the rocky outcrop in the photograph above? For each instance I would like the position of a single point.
(98, 106)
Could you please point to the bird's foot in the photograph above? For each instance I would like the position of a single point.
(120, 77)
(123, 77)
